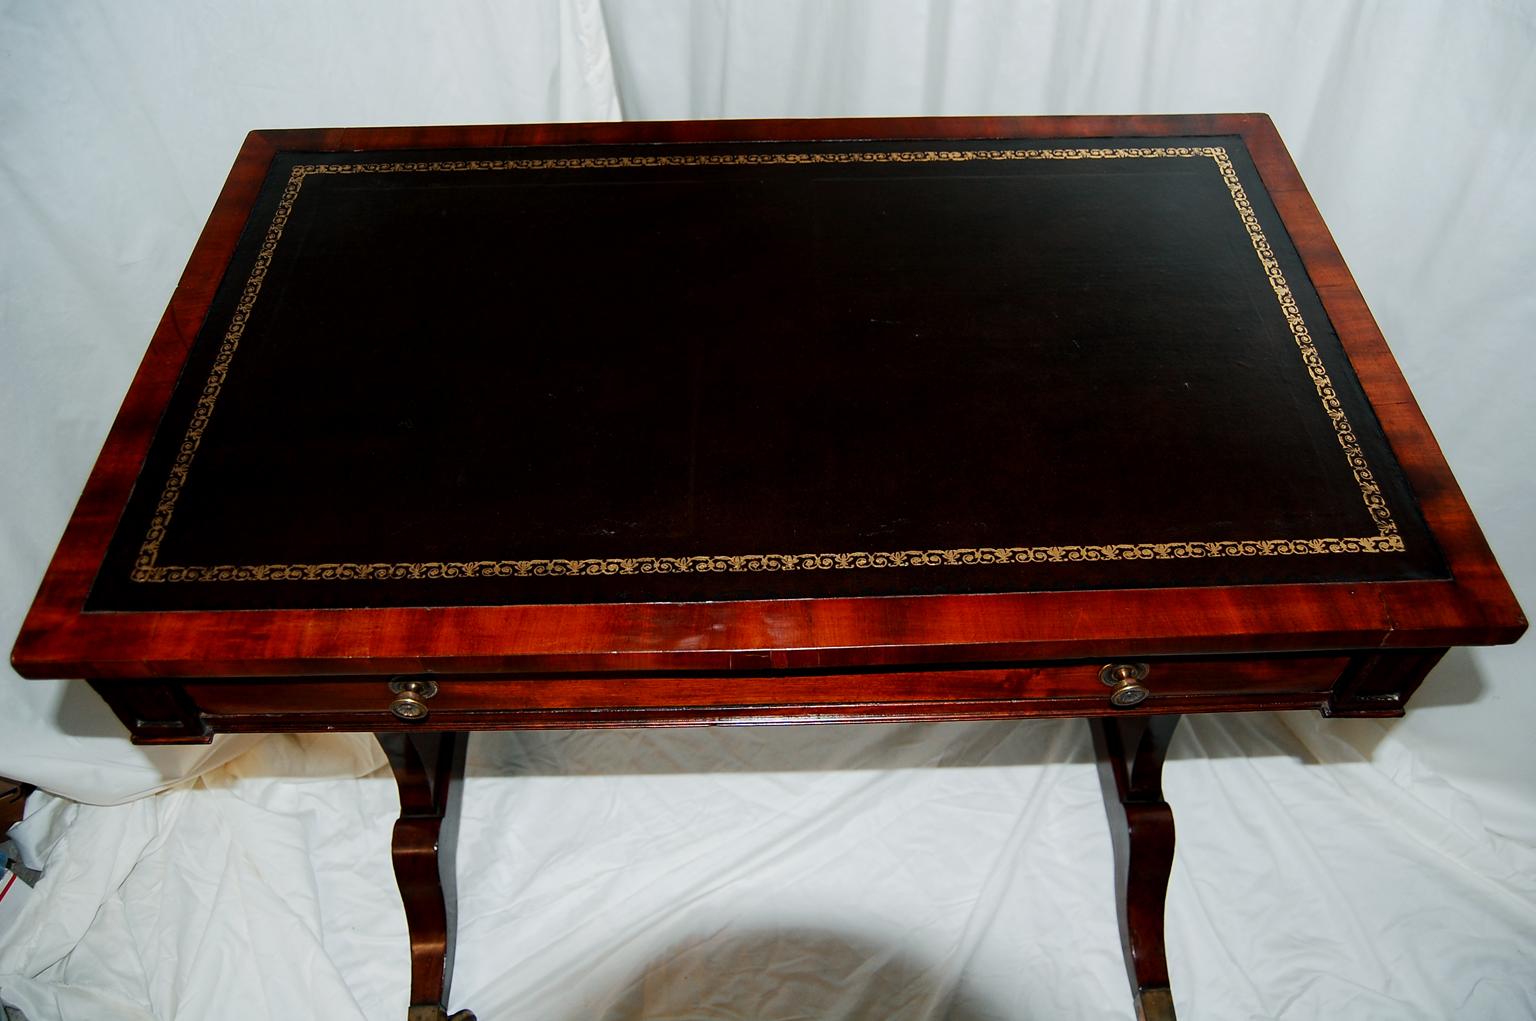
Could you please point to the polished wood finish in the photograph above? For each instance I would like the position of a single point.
(1473, 606)
(1130, 755)
(155, 711)
(1379, 684)
(599, 699)
(1366, 684)
(429, 771)
(1322, 632)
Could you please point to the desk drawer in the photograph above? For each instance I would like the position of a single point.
(1171, 685)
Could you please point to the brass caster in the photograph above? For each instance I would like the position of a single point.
(436, 1012)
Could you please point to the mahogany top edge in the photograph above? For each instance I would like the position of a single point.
(1475, 607)
(357, 139)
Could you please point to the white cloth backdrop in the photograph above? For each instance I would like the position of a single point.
(1325, 870)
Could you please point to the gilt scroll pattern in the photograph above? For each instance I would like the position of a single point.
(147, 567)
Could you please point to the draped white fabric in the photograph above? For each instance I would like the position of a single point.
(1326, 868)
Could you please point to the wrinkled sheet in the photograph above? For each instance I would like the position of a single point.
(1325, 869)
(913, 872)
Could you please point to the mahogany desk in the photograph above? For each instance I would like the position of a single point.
(764, 422)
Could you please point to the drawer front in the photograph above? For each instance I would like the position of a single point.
(1051, 689)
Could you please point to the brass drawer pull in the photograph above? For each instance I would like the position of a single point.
(1126, 679)
(411, 696)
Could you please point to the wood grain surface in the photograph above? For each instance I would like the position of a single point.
(1472, 606)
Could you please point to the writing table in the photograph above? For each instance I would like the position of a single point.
(660, 424)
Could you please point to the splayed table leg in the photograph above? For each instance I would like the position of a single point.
(429, 770)
(1131, 750)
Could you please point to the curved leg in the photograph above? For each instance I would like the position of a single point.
(428, 770)
(1131, 750)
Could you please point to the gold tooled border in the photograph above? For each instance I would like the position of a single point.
(147, 568)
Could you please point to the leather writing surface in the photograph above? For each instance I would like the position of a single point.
(662, 372)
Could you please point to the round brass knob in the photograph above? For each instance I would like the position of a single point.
(410, 702)
(1126, 679)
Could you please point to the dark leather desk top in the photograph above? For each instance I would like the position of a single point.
(722, 365)
(701, 372)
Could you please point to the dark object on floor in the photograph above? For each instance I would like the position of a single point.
(13, 800)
